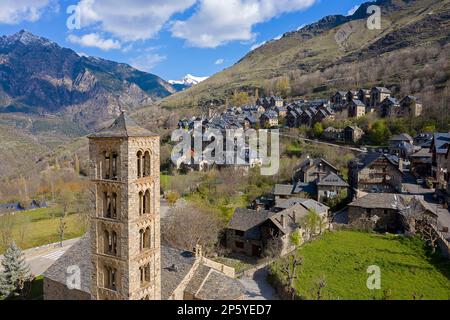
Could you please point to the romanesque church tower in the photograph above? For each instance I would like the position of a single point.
(125, 231)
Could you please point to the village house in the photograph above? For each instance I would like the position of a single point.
(323, 114)
(374, 173)
(281, 111)
(351, 95)
(410, 106)
(353, 134)
(439, 148)
(423, 140)
(269, 119)
(377, 95)
(364, 96)
(389, 107)
(313, 170)
(286, 191)
(333, 134)
(356, 109)
(293, 118)
(421, 162)
(339, 98)
(276, 102)
(383, 209)
(401, 145)
(330, 187)
(260, 233)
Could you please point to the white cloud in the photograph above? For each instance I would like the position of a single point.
(217, 22)
(147, 62)
(130, 20)
(353, 10)
(94, 40)
(219, 61)
(16, 11)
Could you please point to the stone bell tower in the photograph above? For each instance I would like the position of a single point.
(125, 231)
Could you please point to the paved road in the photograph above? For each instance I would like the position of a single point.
(257, 287)
(41, 258)
(323, 143)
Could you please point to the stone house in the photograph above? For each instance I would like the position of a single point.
(421, 162)
(383, 209)
(269, 119)
(410, 106)
(356, 109)
(339, 98)
(439, 148)
(313, 170)
(389, 107)
(333, 134)
(286, 191)
(330, 187)
(121, 257)
(277, 102)
(323, 113)
(353, 134)
(374, 173)
(364, 96)
(254, 233)
(293, 118)
(401, 145)
(377, 95)
(350, 95)
(281, 111)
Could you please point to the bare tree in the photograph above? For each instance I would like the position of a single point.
(290, 271)
(187, 226)
(319, 285)
(7, 222)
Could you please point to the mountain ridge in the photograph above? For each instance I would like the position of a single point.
(39, 76)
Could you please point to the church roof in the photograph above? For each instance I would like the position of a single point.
(123, 127)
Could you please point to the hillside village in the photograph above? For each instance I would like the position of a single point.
(405, 166)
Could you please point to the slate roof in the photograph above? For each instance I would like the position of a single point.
(245, 219)
(366, 159)
(402, 137)
(422, 153)
(383, 89)
(358, 102)
(123, 127)
(79, 254)
(175, 265)
(389, 201)
(287, 203)
(333, 180)
(440, 142)
(217, 286)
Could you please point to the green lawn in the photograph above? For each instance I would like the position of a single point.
(342, 258)
(38, 227)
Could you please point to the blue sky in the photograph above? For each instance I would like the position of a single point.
(169, 38)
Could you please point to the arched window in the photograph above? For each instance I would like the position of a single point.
(144, 274)
(139, 164)
(106, 242)
(114, 166)
(110, 278)
(107, 165)
(141, 202)
(141, 239)
(147, 202)
(107, 205)
(147, 238)
(114, 206)
(147, 165)
(110, 243)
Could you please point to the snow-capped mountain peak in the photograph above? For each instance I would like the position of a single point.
(188, 80)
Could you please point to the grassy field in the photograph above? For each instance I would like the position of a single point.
(342, 258)
(38, 227)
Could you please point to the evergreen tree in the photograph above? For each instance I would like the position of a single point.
(16, 272)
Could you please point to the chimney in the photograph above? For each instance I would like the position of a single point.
(198, 251)
(400, 164)
(283, 221)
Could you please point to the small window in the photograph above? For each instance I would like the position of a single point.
(239, 244)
